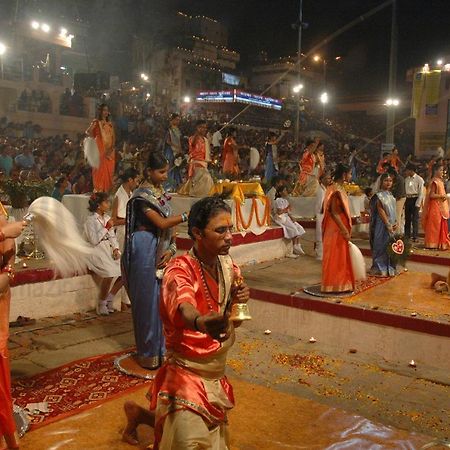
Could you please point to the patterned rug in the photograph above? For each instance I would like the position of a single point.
(74, 387)
(361, 286)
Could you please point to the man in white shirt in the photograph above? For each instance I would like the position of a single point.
(414, 188)
(217, 141)
(325, 180)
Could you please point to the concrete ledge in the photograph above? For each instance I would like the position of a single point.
(395, 345)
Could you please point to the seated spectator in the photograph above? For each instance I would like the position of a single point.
(25, 159)
(81, 185)
(6, 161)
(61, 188)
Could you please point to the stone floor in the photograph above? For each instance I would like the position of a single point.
(344, 379)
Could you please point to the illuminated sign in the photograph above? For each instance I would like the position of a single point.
(237, 96)
(230, 79)
(258, 100)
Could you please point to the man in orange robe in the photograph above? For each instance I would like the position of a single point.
(199, 181)
(191, 395)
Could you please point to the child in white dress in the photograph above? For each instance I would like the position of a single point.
(291, 229)
(105, 259)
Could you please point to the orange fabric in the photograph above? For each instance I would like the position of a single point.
(395, 162)
(435, 216)
(229, 160)
(380, 168)
(197, 154)
(7, 424)
(337, 273)
(306, 166)
(183, 283)
(104, 136)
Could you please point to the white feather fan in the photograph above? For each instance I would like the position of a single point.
(57, 230)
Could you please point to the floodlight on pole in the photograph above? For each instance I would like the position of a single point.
(45, 27)
(439, 62)
(186, 99)
(144, 76)
(297, 88)
(324, 98)
(35, 25)
(392, 102)
(63, 32)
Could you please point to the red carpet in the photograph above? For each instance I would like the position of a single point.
(74, 387)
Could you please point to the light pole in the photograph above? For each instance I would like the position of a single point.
(318, 58)
(324, 100)
(2, 52)
(299, 72)
(390, 117)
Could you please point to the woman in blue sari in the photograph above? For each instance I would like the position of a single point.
(383, 224)
(149, 245)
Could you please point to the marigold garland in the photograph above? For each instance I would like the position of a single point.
(253, 212)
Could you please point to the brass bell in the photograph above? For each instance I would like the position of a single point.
(240, 312)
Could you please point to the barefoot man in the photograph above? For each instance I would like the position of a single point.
(191, 395)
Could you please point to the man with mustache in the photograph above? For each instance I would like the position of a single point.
(191, 395)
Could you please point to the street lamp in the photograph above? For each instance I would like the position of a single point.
(391, 103)
(439, 62)
(144, 76)
(186, 99)
(63, 32)
(297, 88)
(45, 28)
(35, 25)
(324, 100)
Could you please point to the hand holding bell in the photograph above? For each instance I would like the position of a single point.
(241, 295)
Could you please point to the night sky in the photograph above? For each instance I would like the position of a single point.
(423, 31)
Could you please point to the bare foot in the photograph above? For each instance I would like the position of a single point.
(132, 411)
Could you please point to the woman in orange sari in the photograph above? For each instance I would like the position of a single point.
(230, 156)
(102, 130)
(436, 213)
(337, 273)
(8, 231)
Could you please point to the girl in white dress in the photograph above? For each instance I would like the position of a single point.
(105, 259)
(291, 229)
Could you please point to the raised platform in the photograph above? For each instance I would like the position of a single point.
(37, 294)
(400, 320)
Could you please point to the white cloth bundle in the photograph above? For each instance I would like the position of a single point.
(358, 263)
(254, 158)
(57, 230)
(91, 152)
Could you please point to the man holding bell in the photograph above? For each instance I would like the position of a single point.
(191, 395)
